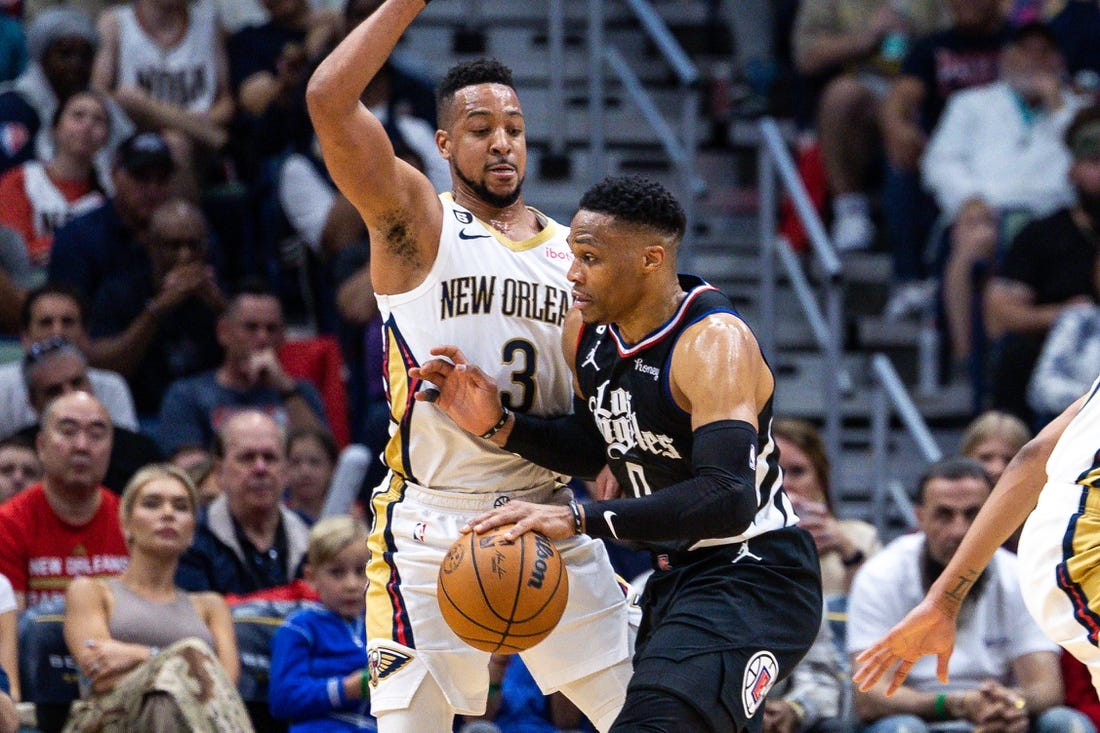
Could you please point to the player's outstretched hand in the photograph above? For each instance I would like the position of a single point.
(927, 629)
(461, 389)
(553, 520)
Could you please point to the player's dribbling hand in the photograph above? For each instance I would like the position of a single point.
(553, 520)
(462, 390)
(927, 629)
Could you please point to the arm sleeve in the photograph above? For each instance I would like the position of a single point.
(720, 500)
(292, 692)
(945, 166)
(570, 444)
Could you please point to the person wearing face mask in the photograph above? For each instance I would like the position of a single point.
(1048, 268)
(154, 657)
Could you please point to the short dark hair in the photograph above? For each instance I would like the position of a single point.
(321, 435)
(251, 285)
(637, 200)
(41, 291)
(1034, 29)
(952, 469)
(468, 73)
(1084, 117)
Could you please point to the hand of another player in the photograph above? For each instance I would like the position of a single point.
(553, 520)
(467, 394)
(606, 485)
(927, 629)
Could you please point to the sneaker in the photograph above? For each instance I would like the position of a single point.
(910, 300)
(853, 230)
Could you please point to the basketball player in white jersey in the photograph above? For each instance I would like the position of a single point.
(1051, 482)
(474, 266)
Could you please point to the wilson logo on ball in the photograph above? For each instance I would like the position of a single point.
(502, 596)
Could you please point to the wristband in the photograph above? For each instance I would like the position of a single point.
(364, 693)
(504, 413)
(940, 707)
(578, 524)
(494, 688)
(286, 394)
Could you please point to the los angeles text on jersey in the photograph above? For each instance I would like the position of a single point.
(477, 294)
(618, 423)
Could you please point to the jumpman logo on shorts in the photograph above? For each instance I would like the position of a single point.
(743, 553)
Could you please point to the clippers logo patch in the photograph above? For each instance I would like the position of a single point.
(465, 217)
(419, 531)
(760, 675)
(384, 662)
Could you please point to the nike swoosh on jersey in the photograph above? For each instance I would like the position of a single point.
(607, 515)
(463, 235)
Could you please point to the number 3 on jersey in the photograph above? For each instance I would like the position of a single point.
(521, 354)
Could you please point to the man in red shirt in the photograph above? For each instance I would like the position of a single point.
(67, 525)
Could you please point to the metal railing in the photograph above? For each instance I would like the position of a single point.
(889, 397)
(680, 148)
(776, 166)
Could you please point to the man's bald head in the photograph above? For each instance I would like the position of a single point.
(74, 442)
(251, 451)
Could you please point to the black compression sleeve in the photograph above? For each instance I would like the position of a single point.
(570, 444)
(720, 500)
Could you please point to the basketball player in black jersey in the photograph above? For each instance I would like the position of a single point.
(673, 393)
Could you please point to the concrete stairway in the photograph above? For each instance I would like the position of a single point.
(725, 234)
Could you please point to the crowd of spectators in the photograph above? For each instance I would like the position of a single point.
(161, 187)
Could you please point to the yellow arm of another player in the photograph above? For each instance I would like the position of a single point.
(930, 627)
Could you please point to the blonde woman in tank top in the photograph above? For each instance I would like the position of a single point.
(155, 657)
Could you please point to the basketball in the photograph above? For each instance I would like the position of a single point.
(502, 596)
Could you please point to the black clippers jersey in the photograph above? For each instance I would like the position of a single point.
(648, 436)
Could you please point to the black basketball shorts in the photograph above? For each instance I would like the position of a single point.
(719, 630)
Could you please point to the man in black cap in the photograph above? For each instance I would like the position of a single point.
(104, 242)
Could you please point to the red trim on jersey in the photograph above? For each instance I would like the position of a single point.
(664, 330)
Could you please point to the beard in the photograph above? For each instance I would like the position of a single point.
(500, 201)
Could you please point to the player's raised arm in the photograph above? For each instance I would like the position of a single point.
(930, 627)
(396, 201)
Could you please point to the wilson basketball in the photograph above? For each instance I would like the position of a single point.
(502, 596)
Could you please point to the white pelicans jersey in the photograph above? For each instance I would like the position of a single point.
(503, 304)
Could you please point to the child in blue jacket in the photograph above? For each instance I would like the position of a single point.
(319, 678)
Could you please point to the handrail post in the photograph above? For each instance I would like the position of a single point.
(597, 143)
(556, 37)
(833, 365)
(766, 176)
(880, 420)
(686, 167)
